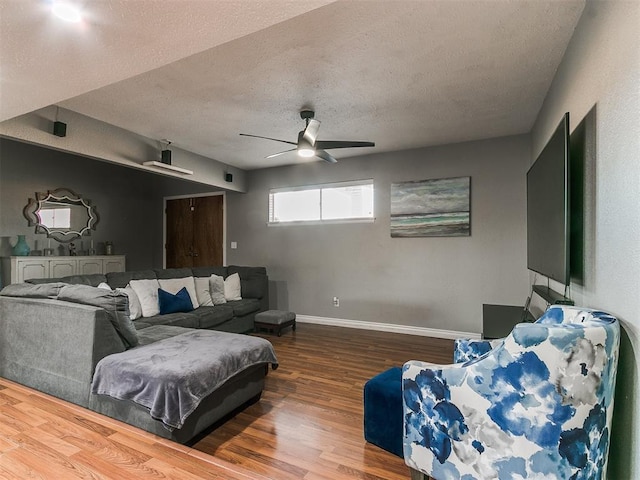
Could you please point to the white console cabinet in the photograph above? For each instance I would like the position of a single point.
(19, 269)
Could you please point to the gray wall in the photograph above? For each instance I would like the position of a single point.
(128, 202)
(437, 283)
(601, 68)
(98, 140)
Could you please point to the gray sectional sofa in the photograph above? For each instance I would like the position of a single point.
(56, 337)
(234, 316)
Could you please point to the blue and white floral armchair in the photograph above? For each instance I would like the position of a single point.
(536, 405)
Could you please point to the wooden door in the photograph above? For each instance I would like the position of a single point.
(207, 231)
(194, 232)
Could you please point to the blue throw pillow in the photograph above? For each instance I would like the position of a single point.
(170, 303)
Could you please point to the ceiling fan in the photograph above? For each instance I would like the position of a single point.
(308, 146)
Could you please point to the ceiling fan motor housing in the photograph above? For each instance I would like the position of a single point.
(307, 114)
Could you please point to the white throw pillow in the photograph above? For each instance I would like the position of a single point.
(174, 285)
(216, 289)
(135, 309)
(104, 286)
(147, 293)
(202, 291)
(232, 288)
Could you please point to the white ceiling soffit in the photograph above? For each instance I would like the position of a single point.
(403, 74)
(45, 60)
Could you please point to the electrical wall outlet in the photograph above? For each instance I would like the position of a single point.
(234, 245)
(336, 302)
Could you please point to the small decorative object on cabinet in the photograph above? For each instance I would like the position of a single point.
(21, 248)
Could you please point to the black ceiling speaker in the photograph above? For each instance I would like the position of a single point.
(228, 177)
(59, 129)
(308, 146)
(166, 157)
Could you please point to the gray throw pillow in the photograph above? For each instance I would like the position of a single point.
(115, 303)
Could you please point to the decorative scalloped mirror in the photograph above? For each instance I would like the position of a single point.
(61, 214)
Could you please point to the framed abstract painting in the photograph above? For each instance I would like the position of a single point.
(431, 208)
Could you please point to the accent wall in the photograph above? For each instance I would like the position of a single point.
(438, 283)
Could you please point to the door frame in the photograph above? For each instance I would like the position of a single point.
(224, 222)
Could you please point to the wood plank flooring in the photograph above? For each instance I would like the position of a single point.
(308, 424)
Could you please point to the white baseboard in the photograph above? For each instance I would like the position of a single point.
(387, 327)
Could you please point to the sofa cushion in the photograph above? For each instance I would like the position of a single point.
(246, 271)
(147, 292)
(116, 304)
(135, 309)
(92, 280)
(209, 317)
(121, 279)
(244, 306)
(253, 286)
(174, 285)
(170, 303)
(179, 319)
(232, 287)
(252, 280)
(166, 273)
(208, 271)
(216, 289)
(141, 324)
(156, 333)
(203, 291)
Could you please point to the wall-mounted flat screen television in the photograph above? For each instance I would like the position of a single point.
(548, 208)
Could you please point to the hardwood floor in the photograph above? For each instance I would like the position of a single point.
(308, 424)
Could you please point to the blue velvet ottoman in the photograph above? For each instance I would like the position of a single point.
(383, 411)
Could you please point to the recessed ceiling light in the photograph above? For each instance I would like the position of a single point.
(66, 11)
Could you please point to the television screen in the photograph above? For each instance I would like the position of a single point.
(548, 208)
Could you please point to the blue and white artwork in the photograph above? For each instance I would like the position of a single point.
(431, 208)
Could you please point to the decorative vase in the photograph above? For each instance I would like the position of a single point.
(21, 248)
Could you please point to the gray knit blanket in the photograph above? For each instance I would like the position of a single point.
(172, 376)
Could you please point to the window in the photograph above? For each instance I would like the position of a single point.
(335, 202)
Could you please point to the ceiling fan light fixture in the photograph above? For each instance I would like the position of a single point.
(306, 152)
(305, 149)
(66, 11)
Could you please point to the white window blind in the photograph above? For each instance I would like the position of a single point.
(344, 201)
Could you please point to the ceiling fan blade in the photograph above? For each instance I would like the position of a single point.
(342, 144)
(325, 156)
(280, 153)
(269, 138)
(311, 132)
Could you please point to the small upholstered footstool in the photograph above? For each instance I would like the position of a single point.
(275, 320)
(383, 411)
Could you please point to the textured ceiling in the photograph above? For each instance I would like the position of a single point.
(403, 74)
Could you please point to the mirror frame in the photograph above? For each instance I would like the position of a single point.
(33, 206)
